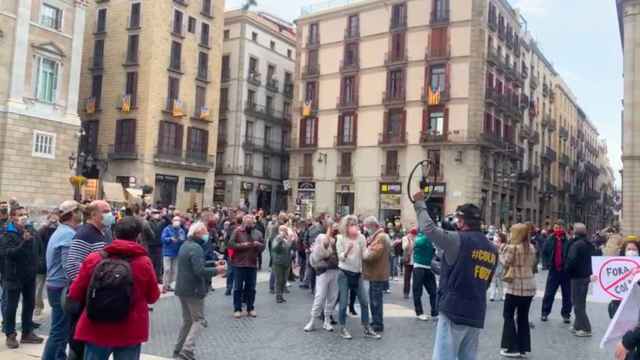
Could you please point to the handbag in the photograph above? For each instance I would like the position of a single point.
(509, 275)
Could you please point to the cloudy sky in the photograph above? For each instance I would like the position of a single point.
(580, 38)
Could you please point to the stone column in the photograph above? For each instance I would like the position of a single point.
(76, 60)
(20, 50)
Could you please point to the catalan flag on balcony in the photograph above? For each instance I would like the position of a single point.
(204, 113)
(306, 109)
(90, 105)
(177, 110)
(126, 103)
(433, 97)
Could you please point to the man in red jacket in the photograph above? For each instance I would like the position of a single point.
(122, 339)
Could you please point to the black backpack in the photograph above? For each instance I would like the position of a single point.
(110, 291)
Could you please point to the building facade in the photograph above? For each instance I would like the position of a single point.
(258, 64)
(150, 94)
(40, 62)
(458, 83)
(629, 20)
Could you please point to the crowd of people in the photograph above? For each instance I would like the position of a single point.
(102, 270)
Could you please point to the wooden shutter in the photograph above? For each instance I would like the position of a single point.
(355, 129)
(340, 129)
(191, 146)
(403, 127)
(179, 135)
(445, 121)
(425, 120)
(355, 89)
(301, 136)
(315, 131)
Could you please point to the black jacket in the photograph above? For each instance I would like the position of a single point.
(631, 342)
(19, 258)
(578, 263)
(41, 242)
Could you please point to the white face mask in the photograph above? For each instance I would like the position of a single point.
(176, 224)
(631, 253)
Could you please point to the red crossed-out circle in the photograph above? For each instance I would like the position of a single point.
(635, 267)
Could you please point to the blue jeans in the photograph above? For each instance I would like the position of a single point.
(231, 274)
(455, 342)
(56, 346)
(361, 289)
(245, 288)
(376, 302)
(93, 352)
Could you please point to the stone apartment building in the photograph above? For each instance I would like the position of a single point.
(40, 60)
(258, 65)
(150, 94)
(390, 83)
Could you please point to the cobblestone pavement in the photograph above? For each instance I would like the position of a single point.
(277, 332)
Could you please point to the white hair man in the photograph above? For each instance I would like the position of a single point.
(375, 268)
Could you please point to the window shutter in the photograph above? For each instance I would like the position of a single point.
(425, 120)
(403, 128)
(445, 125)
(190, 140)
(355, 129)
(205, 141)
(315, 131)
(356, 89)
(302, 127)
(179, 135)
(38, 62)
(340, 129)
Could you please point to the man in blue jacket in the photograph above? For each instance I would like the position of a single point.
(172, 238)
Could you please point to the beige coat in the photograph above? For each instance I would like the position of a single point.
(375, 258)
(519, 255)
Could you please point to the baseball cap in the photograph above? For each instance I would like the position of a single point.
(468, 211)
(68, 206)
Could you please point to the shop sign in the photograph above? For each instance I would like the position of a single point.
(344, 188)
(436, 189)
(264, 187)
(390, 201)
(220, 184)
(247, 186)
(307, 186)
(390, 188)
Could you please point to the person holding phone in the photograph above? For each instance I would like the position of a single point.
(172, 238)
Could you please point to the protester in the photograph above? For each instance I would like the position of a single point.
(497, 287)
(629, 248)
(517, 257)
(57, 251)
(271, 233)
(319, 227)
(350, 246)
(192, 286)
(555, 255)
(155, 248)
(41, 241)
(375, 269)
(324, 260)
(408, 243)
(172, 238)
(578, 268)
(423, 277)
(247, 244)
(17, 251)
(108, 325)
(468, 264)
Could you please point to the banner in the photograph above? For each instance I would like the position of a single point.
(626, 317)
(613, 276)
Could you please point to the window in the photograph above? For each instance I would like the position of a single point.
(47, 80)
(435, 126)
(439, 42)
(204, 34)
(253, 66)
(395, 123)
(101, 23)
(345, 164)
(351, 54)
(272, 45)
(251, 97)
(170, 138)
(267, 134)
(346, 129)
(89, 141)
(51, 17)
(353, 24)
(174, 89)
(131, 88)
(177, 22)
(227, 35)
(98, 54)
(203, 65)
(286, 108)
(224, 99)
(96, 89)
(191, 25)
(197, 143)
(271, 71)
(194, 185)
(309, 131)
(132, 49)
(398, 15)
(289, 53)
(248, 163)
(310, 93)
(134, 19)
(392, 163)
(307, 161)
(176, 55)
(285, 138)
(206, 7)
(348, 90)
(269, 104)
(397, 46)
(284, 168)
(44, 145)
(288, 78)
(125, 136)
(314, 33)
(437, 79)
(396, 84)
(266, 166)
(254, 36)
(226, 70)
(312, 60)
(440, 10)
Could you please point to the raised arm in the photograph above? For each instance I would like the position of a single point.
(448, 241)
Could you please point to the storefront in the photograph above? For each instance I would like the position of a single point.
(194, 193)
(306, 199)
(265, 192)
(165, 190)
(345, 199)
(390, 200)
(435, 204)
(245, 193)
(218, 192)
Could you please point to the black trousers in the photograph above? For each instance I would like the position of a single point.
(155, 253)
(516, 334)
(424, 278)
(26, 288)
(557, 279)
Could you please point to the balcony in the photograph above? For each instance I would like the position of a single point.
(510, 72)
(310, 70)
(591, 168)
(349, 66)
(248, 170)
(440, 18)
(272, 85)
(430, 137)
(533, 82)
(265, 113)
(288, 90)
(525, 132)
(387, 139)
(202, 113)
(391, 59)
(351, 34)
(493, 23)
(179, 159)
(305, 172)
(431, 98)
(564, 160)
(344, 171)
(534, 139)
(437, 55)
(492, 57)
(491, 96)
(564, 133)
(225, 77)
(398, 23)
(122, 152)
(347, 102)
(345, 142)
(393, 98)
(253, 144)
(492, 139)
(254, 78)
(545, 90)
(176, 107)
(549, 155)
(524, 74)
(390, 172)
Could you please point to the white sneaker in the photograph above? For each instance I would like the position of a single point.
(311, 325)
(327, 326)
(507, 354)
(424, 317)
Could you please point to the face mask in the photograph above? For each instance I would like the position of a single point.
(176, 224)
(108, 219)
(205, 238)
(631, 253)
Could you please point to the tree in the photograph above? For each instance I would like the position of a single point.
(248, 4)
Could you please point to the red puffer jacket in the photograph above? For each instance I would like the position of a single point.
(135, 329)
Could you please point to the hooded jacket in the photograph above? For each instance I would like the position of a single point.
(134, 329)
(19, 257)
(578, 262)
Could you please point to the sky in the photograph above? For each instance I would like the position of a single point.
(579, 37)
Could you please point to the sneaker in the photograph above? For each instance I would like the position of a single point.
(406, 296)
(491, 299)
(523, 355)
(37, 312)
(176, 354)
(327, 326)
(227, 292)
(544, 318)
(582, 333)
(288, 284)
(369, 333)
(388, 291)
(186, 355)
(237, 314)
(332, 321)
(12, 342)
(424, 317)
(345, 334)
(253, 313)
(31, 338)
(311, 325)
(508, 354)
(572, 329)
(566, 320)
(353, 312)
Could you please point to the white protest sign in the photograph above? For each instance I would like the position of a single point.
(613, 276)
(626, 317)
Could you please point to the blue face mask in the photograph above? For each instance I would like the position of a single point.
(108, 219)
(205, 238)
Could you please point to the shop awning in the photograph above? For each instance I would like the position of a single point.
(113, 192)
